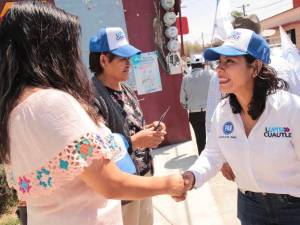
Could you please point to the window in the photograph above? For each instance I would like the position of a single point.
(292, 35)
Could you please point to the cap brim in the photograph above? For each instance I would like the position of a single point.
(126, 51)
(212, 54)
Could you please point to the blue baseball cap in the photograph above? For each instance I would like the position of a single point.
(241, 42)
(113, 40)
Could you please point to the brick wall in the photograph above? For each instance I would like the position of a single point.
(295, 26)
(275, 39)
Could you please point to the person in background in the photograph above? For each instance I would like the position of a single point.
(186, 64)
(193, 97)
(109, 61)
(57, 152)
(255, 128)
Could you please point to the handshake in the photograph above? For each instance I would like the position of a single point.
(180, 184)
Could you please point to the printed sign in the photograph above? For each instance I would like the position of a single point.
(146, 74)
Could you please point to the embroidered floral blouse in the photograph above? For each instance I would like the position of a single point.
(52, 139)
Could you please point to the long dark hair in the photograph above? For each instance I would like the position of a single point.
(265, 83)
(39, 47)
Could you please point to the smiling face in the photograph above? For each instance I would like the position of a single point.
(117, 69)
(236, 76)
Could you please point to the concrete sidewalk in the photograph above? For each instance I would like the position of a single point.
(212, 204)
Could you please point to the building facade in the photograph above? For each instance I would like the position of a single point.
(289, 21)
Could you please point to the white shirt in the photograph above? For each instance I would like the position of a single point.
(52, 139)
(194, 89)
(260, 163)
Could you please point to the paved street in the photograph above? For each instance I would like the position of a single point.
(212, 204)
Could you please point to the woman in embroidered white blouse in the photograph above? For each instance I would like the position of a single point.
(56, 150)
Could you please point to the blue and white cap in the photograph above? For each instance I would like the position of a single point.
(241, 42)
(113, 40)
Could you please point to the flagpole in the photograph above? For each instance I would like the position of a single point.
(180, 26)
(214, 27)
(202, 37)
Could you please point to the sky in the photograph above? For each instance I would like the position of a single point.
(200, 14)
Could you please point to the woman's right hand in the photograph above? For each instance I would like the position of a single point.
(189, 181)
(175, 185)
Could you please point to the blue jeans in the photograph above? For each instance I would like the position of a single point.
(269, 209)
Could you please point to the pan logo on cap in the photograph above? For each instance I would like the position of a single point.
(120, 36)
(235, 35)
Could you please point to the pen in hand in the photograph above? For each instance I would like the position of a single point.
(162, 118)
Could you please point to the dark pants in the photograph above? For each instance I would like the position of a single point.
(22, 214)
(269, 209)
(197, 119)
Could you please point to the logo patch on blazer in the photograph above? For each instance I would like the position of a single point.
(228, 129)
(277, 132)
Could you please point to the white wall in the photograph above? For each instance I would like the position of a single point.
(93, 15)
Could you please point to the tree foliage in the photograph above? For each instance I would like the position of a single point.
(8, 197)
(236, 13)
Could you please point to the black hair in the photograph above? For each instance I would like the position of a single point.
(265, 83)
(94, 62)
(39, 47)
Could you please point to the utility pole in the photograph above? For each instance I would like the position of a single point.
(244, 8)
(180, 28)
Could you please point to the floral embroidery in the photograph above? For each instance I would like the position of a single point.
(84, 148)
(99, 138)
(44, 177)
(67, 164)
(111, 142)
(24, 184)
(63, 164)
